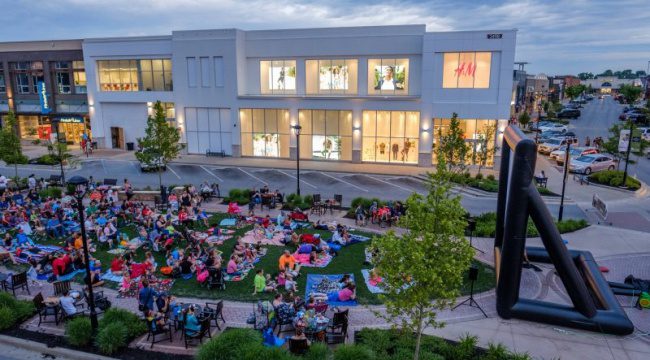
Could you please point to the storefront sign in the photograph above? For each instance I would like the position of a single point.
(494, 36)
(70, 119)
(43, 98)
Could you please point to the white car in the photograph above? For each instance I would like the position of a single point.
(645, 133)
(560, 154)
(553, 144)
(554, 126)
(588, 164)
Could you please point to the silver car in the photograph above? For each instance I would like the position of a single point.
(588, 164)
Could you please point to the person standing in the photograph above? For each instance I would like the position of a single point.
(3, 184)
(146, 297)
(587, 141)
(31, 182)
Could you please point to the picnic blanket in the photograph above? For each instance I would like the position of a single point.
(109, 276)
(317, 283)
(252, 238)
(69, 276)
(116, 251)
(228, 222)
(372, 287)
(321, 262)
(354, 238)
(43, 251)
(217, 240)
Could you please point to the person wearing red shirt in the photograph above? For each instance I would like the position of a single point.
(117, 265)
(60, 265)
(183, 218)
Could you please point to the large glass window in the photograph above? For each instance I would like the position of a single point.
(391, 136)
(388, 76)
(3, 87)
(135, 75)
(278, 77)
(466, 70)
(475, 132)
(208, 129)
(265, 132)
(63, 82)
(332, 76)
(326, 134)
(22, 83)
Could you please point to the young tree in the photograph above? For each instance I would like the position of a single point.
(574, 91)
(611, 144)
(160, 145)
(630, 93)
(524, 119)
(422, 269)
(452, 149)
(485, 147)
(61, 155)
(10, 148)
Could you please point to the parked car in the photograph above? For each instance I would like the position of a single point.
(554, 126)
(536, 125)
(636, 117)
(588, 164)
(553, 144)
(576, 103)
(645, 133)
(568, 113)
(575, 152)
(155, 166)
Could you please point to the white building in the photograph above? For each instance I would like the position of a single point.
(360, 94)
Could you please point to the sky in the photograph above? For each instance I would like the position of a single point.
(555, 37)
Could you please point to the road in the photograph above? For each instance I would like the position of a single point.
(597, 117)
(350, 185)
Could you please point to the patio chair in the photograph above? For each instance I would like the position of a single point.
(203, 332)
(338, 201)
(316, 206)
(60, 287)
(337, 335)
(18, 281)
(44, 310)
(298, 346)
(339, 318)
(214, 311)
(153, 330)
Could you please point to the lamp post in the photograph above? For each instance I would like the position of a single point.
(296, 129)
(80, 184)
(567, 158)
(539, 115)
(627, 153)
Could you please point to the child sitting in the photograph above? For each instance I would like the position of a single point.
(290, 285)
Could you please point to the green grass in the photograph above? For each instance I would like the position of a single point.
(350, 260)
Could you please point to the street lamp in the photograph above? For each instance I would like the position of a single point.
(296, 129)
(80, 184)
(567, 158)
(58, 149)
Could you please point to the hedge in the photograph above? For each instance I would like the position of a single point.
(230, 345)
(486, 225)
(53, 192)
(78, 331)
(116, 328)
(614, 178)
(239, 196)
(13, 312)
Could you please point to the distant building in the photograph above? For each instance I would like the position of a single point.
(558, 84)
(609, 84)
(537, 87)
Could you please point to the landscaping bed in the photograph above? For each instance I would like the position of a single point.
(486, 226)
(488, 183)
(614, 178)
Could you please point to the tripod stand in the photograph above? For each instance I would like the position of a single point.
(471, 226)
(473, 275)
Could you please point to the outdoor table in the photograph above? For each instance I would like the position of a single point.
(177, 318)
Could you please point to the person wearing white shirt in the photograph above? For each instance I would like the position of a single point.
(3, 184)
(67, 304)
(31, 182)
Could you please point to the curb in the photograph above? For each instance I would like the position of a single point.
(42, 348)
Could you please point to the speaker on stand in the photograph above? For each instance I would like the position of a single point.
(471, 227)
(472, 276)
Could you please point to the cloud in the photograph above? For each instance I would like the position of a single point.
(554, 36)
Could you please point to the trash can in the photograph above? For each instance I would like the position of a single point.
(130, 146)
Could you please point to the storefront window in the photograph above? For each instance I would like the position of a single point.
(264, 132)
(331, 76)
(80, 86)
(278, 77)
(31, 128)
(391, 136)
(326, 134)
(156, 74)
(3, 87)
(135, 75)
(475, 133)
(388, 76)
(466, 70)
(22, 83)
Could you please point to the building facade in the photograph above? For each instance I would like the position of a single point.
(44, 84)
(609, 84)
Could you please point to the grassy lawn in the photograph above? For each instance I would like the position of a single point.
(350, 260)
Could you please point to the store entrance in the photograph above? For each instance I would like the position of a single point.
(117, 137)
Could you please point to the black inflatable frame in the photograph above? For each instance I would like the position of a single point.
(595, 307)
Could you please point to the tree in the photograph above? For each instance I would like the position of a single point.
(630, 92)
(10, 148)
(61, 155)
(607, 72)
(585, 76)
(611, 144)
(640, 73)
(160, 145)
(485, 147)
(524, 119)
(452, 149)
(422, 269)
(574, 91)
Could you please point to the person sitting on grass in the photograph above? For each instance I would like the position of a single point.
(346, 294)
(233, 268)
(125, 287)
(260, 284)
(290, 285)
(288, 262)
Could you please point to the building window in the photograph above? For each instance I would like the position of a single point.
(62, 65)
(3, 86)
(191, 72)
(22, 83)
(388, 76)
(205, 71)
(63, 82)
(21, 65)
(264, 132)
(474, 132)
(156, 74)
(326, 134)
(468, 70)
(218, 71)
(79, 71)
(278, 77)
(331, 77)
(118, 75)
(170, 113)
(391, 136)
(208, 129)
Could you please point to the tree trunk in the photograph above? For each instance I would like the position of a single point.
(416, 356)
(159, 178)
(16, 167)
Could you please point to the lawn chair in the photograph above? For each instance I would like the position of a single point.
(338, 334)
(203, 332)
(44, 310)
(60, 287)
(18, 281)
(214, 311)
(153, 330)
(339, 318)
(298, 346)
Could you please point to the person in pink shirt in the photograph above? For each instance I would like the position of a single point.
(232, 268)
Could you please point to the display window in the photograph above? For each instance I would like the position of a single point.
(265, 132)
(390, 136)
(332, 76)
(278, 77)
(467, 70)
(326, 134)
(135, 75)
(475, 132)
(388, 76)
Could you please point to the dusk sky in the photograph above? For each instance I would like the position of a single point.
(555, 37)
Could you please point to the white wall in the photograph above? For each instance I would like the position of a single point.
(132, 117)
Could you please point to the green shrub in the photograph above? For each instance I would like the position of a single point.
(132, 323)
(317, 351)
(259, 351)
(479, 176)
(545, 191)
(614, 178)
(47, 159)
(490, 177)
(24, 309)
(465, 349)
(497, 352)
(240, 196)
(293, 201)
(53, 192)
(6, 300)
(382, 341)
(78, 331)
(7, 318)
(486, 225)
(230, 345)
(111, 338)
(353, 352)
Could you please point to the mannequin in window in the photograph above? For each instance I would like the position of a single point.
(281, 79)
(395, 150)
(405, 150)
(382, 148)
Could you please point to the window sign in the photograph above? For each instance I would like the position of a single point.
(466, 70)
(333, 77)
(43, 98)
(387, 76)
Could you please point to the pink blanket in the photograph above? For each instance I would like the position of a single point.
(303, 259)
(251, 238)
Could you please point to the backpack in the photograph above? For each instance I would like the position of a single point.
(103, 304)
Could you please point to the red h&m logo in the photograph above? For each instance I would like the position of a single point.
(465, 69)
